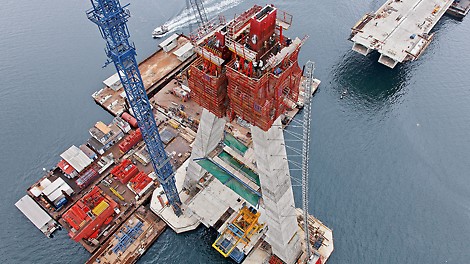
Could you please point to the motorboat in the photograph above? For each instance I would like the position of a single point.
(160, 31)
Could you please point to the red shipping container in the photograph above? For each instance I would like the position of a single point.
(86, 178)
(139, 182)
(130, 141)
(124, 171)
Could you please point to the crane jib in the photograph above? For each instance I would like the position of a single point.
(111, 18)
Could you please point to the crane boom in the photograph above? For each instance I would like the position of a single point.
(199, 12)
(111, 18)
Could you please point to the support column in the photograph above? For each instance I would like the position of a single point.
(276, 187)
(209, 133)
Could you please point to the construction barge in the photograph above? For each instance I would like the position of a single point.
(106, 194)
(398, 30)
(459, 9)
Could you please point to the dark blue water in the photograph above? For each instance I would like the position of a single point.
(390, 161)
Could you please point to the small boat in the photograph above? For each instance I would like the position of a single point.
(160, 31)
(343, 94)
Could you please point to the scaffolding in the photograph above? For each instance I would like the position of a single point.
(309, 68)
(261, 100)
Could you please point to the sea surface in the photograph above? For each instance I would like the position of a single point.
(389, 162)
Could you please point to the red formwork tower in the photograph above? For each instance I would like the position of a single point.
(262, 100)
(247, 68)
(264, 74)
(207, 78)
(208, 86)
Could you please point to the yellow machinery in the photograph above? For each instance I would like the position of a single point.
(240, 230)
(100, 208)
(116, 193)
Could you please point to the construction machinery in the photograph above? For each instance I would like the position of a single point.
(237, 234)
(199, 11)
(111, 18)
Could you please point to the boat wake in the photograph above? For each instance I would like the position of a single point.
(187, 17)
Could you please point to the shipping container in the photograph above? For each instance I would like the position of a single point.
(60, 203)
(130, 141)
(124, 171)
(86, 178)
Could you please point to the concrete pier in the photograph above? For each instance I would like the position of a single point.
(273, 169)
(209, 134)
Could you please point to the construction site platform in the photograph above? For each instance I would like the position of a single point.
(159, 205)
(177, 143)
(399, 30)
(321, 244)
(112, 154)
(120, 238)
(131, 240)
(156, 71)
(320, 236)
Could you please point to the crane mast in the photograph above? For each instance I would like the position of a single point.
(111, 18)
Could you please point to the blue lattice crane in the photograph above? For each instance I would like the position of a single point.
(111, 19)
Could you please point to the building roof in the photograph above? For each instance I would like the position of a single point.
(90, 153)
(76, 158)
(100, 131)
(168, 40)
(33, 212)
(58, 192)
(97, 134)
(65, 167)
(102, 127)
(95, 144)
(113, 82)
(181, 51)
(44, 183)
(54, 186)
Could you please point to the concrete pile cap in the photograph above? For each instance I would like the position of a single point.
(168, 40)
(186, 47)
